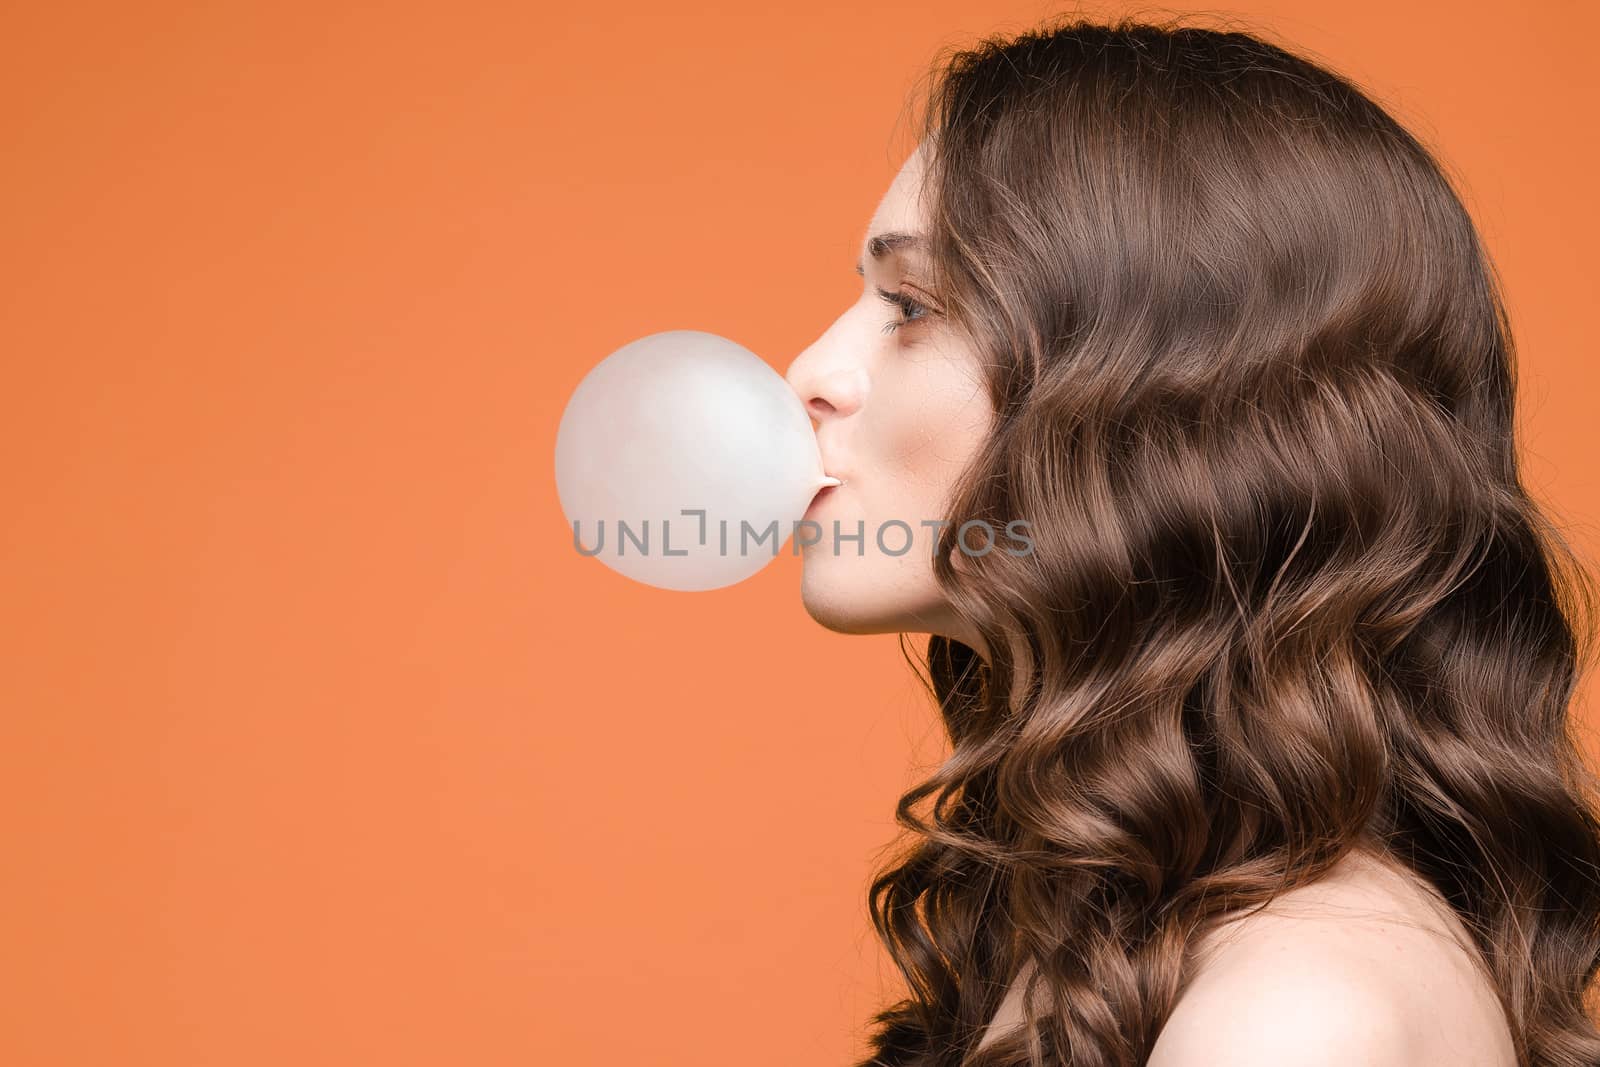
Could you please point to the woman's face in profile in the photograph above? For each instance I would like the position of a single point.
(900, 408)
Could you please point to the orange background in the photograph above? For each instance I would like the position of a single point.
(319, 743)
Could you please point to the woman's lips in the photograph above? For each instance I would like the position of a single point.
(822, 494)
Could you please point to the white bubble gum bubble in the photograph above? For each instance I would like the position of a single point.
(699, 448)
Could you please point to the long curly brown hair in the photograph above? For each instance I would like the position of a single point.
(1288, 598)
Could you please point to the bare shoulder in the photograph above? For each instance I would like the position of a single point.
(1360, 968)
(1306, 1009)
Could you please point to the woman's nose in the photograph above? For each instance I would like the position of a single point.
(828, 392)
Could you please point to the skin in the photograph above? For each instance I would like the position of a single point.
(897, 415)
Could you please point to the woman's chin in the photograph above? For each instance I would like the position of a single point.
(846, 601)
(839, 612)
(832, 599)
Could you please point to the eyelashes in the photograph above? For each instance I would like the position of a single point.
(911, 310)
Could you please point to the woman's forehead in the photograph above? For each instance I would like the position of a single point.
(899, 210)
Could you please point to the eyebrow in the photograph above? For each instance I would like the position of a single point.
(888, 243)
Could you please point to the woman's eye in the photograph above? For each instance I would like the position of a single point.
(910, 309)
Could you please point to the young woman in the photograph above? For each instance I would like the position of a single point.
(1259, 717)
